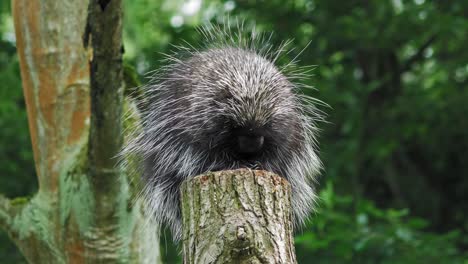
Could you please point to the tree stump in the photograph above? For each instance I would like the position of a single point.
(238, 216)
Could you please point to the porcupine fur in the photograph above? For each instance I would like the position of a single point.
(208, 106)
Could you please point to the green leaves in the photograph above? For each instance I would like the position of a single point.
(346, 230)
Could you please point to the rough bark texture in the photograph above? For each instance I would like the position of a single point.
(83, 212)
(239, 216)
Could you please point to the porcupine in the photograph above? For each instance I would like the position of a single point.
(225, 106)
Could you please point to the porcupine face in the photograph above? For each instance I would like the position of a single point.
(248, 116)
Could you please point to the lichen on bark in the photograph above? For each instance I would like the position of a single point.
(83, 211)
(239, 216)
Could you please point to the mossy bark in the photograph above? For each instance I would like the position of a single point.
(83, 211)
(239, 216)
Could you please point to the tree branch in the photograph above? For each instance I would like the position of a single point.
(418, 55)
(238, 216)
(106, 127)
(54, 74)
(8, 210)
(105, 140)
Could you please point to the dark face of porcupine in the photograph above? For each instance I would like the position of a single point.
(224, 108)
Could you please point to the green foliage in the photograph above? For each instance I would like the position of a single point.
(348, 231)
(16, 160)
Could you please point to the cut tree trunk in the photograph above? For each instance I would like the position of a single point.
(83, 211)
(239, 216)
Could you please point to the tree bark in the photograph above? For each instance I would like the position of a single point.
(239, 216)
(83, 211)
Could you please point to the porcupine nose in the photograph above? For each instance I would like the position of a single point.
(250, 144)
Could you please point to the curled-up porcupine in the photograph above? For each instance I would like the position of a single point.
(225, 106)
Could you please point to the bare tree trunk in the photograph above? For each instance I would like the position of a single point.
(83, 212)
(239, 216)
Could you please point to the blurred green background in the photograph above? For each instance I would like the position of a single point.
(395, 149)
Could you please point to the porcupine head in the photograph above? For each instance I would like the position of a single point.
(225, 105)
